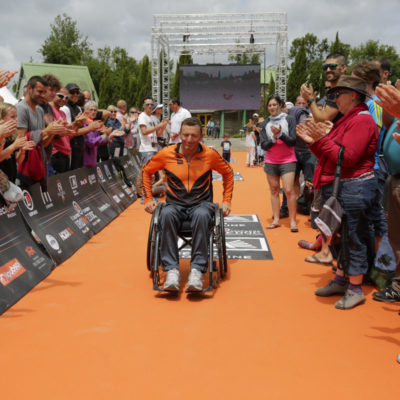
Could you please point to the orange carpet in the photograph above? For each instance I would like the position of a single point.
(95, 329)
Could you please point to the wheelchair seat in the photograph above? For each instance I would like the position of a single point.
(217, 265)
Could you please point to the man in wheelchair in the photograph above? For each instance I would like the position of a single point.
(188, 169)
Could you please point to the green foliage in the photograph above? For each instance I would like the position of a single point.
(372, 49)
(339, 47)
(65, 44)
(299, 74)
(184, 58)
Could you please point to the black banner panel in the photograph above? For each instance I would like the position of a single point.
(88, 198)
(54, 217)
(244, 239)
(112, 184)
(130, 167)
(22, 263)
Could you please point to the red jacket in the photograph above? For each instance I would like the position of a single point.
(358, 133)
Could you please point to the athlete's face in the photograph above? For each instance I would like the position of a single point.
(191, 137)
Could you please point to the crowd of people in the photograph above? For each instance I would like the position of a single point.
(54, 129)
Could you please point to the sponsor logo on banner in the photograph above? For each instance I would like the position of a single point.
(52, 241)
(11, 271)
(83, 182)
(46, 198)
(100, 174)
(28, 200)
(73, 182)
(77, 207)
(3, 210)
(92, 178)
(61, 191)
(30, 251)
(66, 233)
(108, 173)
(116, 198)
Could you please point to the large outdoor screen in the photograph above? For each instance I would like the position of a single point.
(220, 87)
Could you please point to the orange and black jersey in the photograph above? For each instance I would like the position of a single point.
(188, 182)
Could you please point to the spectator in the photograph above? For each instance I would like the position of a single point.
(61, 152)
(116, 147)
(226, 148)
(278, 137)
(12, 148)
(178, 115)
(132, 129)
(32, 125)
(390, 102)
(87, 96)
(250, 146)
(358, 134)
(99, 135)
(148, 128)
(121, 112)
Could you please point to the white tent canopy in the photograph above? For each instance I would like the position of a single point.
(8, 96)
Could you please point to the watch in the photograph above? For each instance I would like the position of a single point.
(310, 100)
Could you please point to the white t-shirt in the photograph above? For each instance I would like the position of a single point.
(147, 141)
(176, 122)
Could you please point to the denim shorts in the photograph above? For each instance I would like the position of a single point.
(358, 199)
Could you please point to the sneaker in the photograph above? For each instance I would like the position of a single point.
(388, 295)
(195, 282)
(331, 289)
(172, 280)
(350, 300)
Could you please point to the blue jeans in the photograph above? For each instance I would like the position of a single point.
(358, 198)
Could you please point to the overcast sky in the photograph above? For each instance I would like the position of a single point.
(25, 24)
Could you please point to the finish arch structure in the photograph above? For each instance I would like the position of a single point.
(211, 34)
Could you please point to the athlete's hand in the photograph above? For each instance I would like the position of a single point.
(226, 209)
(150, 207)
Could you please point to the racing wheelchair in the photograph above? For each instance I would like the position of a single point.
(217, 265)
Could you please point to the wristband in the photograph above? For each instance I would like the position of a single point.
(310, 101)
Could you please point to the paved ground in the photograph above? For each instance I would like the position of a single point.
(237, 143)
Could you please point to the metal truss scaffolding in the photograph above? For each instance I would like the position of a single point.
(202, 34)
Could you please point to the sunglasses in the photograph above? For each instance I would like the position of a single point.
(133, 112)
(113, 112)
(75, 92)
(149, 104)
(62, 96)
(337, 94)
(332, 67)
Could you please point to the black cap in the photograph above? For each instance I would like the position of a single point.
(72, 86)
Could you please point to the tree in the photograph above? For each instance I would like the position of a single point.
(339, 47)
(315, 49)
(372, 49)
(65, 44)
(298, 74)
(184, 58)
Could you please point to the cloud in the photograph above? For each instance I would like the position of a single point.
(127, 23)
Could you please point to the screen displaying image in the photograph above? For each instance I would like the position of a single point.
(220, 87)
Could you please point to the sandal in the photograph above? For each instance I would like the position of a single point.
(294, 229)
(315, 260)
(273, 225)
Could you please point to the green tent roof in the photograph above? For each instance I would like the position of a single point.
(78, 74)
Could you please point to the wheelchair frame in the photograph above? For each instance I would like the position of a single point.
(216, 268)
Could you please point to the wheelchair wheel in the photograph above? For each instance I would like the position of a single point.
(221, 245)
(152, 246)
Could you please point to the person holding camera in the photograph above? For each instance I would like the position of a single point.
(149, 130)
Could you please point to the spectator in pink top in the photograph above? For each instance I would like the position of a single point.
(61, 153)
(278, 137)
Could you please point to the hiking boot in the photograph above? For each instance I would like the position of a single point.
(172, 280)
(388, 295)
(195, 282)
(350, 300)
(331, 289)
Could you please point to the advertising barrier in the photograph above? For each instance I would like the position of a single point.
(46, 228)
(22, 263)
